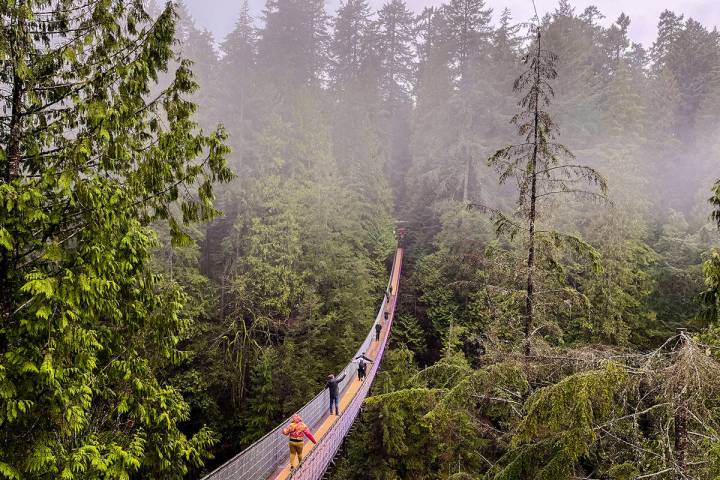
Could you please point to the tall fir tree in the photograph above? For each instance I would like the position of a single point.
(394, 41)
(293, 44)
(351, 43)
(468, 31)
(542, 170)
(669, 28)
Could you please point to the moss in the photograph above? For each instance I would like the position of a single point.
(558, 427)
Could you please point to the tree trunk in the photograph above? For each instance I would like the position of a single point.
(13, 148)
(681, 419)
(681, 439)
(530, 299)
(15, 126)
(12, 170)
(466, 180)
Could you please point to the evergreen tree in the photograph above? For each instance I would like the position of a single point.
(506, 42)
(616, 39)
(394, 46)
(691, 58)
(352, 42)
(293, 44)
(433, 133)
(357, 141)
(239, 46)
(711, 269)
(580, 67)
(619, 296)
(89, 158)
(238, 64)
(678, 276)
(468, 31)
(669, 28)
(538, 166)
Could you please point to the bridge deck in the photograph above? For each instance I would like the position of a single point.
(269, 457)
(319, 430)
(327, 422)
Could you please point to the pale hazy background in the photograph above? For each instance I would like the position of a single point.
(218, 16)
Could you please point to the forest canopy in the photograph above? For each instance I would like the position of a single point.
(195, 232)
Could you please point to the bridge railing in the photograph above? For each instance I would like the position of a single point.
(323, 454)
(261, 459)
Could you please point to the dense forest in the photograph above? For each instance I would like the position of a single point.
(195, 231)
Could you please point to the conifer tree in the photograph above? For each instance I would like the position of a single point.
(468, 27)
(351, 43)
(239, 45)
(579, 84)
(197, 46)
(89, 158)
(616, 39)
(432, 132)
(394, 39)
(237, 71)
(506, 41)
(711, 270)
(469, 32)
(692, 53)
(394, 45)
(355, 81)
(669, 28)
(293, 44)
(540, 168)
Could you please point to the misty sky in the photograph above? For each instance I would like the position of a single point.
(218, 16)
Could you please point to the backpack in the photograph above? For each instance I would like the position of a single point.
(361, 365)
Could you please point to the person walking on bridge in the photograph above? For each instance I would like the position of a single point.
(296, 432)
(362, 365)
(378, 327)
(332, 386)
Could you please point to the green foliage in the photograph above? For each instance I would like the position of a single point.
(435, 432)
(618, 310)
(558, 427)
(398, 371)
(333, 132)
(407, 333)
(711, 269)
(678, 273)
(715, 201)
(92, 159)
(399, 441)
(711, 296)
(466, 423)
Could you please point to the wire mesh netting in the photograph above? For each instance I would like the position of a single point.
(262, 458)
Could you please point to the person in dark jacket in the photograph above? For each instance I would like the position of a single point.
(362, 365)
(332, 386)
(378, 327)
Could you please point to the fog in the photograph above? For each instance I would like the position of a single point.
(407, 92)
(219, 16)
(196, 230)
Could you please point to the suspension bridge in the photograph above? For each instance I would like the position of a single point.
(268, 458)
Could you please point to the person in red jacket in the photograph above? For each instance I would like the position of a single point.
(296, 432)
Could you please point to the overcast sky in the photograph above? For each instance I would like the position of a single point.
(218, 16)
